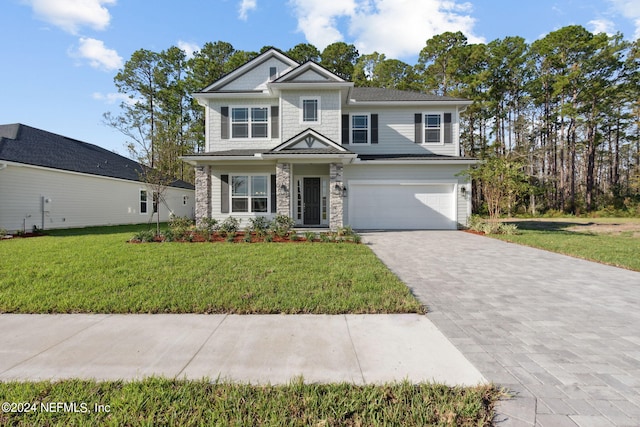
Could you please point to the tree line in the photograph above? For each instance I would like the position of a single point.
(560, 116)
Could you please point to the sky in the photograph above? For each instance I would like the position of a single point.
(59, 57)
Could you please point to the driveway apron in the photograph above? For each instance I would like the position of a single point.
(562, 334)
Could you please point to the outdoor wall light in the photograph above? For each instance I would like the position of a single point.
(463, 191)
(340, 189)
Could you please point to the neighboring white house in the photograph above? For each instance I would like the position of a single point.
(298, 140)
(51, 181)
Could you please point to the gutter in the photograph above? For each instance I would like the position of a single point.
(3, 166)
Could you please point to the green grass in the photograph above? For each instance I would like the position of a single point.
(96, 270)
(192, 403)
(573, 237)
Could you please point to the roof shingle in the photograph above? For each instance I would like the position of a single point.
(23, 144)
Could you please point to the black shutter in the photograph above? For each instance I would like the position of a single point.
(224, 194)
(345, 129)
(273, 194)
(418, 128)
(275, 122)
(374, 128)
(224, 123)
(448, 137)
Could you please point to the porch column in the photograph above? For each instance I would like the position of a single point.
(336, 200)
(203, 193)
(283, 189)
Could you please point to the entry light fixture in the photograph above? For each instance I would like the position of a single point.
(463, 191)
(341, 189)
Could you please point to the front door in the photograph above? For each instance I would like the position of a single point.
(311, 207)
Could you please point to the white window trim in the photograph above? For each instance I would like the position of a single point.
(424, 127)
(146, 201)
(249, 196)
(250, 137)
(310, 98)
(351, 129)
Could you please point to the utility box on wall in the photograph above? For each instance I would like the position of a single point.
(46, 204)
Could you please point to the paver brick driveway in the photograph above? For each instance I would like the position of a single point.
(560, 332)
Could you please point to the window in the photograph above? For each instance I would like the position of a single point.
(432, 128)
(273, 73)
(360, 129)
(310, 110)
(249, 122)
(249, 193)
(143, 201)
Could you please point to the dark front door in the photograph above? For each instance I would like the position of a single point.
(311, 201)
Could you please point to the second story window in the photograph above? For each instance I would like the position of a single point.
(432, 128)
(310, 110)
(249, 122)
(360, 129)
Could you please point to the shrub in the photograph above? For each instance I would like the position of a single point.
(310, 236)
(3, 232)
(168, 235)
(325, 237)
(282, 225)
(345, 231)
(294, 237)
(144, 236)
(210, 224)
(259, 224)
(231, 237)
(268, 238)
(180, 226)
(508, 229)
(229, 226)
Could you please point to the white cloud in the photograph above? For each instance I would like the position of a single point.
(98, 54)
(71, 15)
(602, 26)
(113, 98)
(188, 48)
(245, 7)
(400, 28)
(630, 9)
(397, 28)
(317, 19)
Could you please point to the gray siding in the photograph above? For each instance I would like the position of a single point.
(257, 78)
(396, 132)
(77, 200)
(329, 115)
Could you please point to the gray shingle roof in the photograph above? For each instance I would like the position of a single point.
(378, 94)
(23, 144)
(411, 157)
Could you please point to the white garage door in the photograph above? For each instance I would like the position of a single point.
(401, 206)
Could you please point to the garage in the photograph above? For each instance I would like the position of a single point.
(401, 205)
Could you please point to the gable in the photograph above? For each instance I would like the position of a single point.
(310, 71)
(254, 74)
(257, 78)
(310, 140)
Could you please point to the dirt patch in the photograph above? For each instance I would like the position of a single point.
(631, 229)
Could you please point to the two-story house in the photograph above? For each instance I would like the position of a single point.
(298, 140)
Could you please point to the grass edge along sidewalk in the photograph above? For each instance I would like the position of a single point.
(156, 401)
(95, 270)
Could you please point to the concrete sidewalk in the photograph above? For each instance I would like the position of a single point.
(258, 348)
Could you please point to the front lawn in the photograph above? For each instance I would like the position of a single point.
(96, 270)
(194, 403)
(614, 241)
